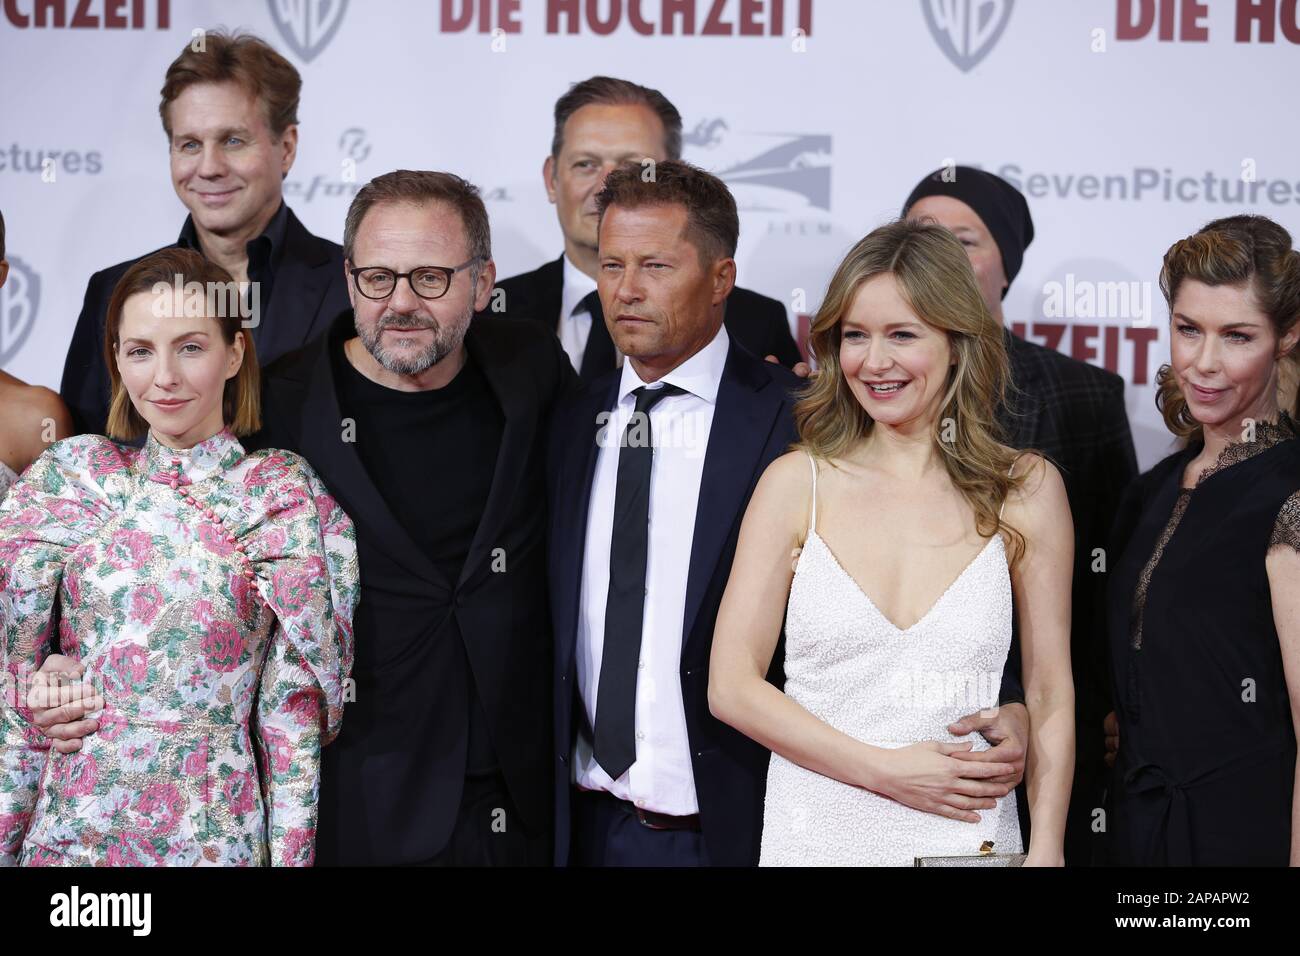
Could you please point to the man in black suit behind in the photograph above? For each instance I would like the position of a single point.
(645, 775)
(600, 123)
(230, 111)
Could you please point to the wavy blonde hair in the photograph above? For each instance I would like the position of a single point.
(1249, 251)
(934, 277)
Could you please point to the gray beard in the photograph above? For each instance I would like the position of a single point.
(446, 339)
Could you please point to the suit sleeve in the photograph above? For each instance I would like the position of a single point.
(1012, 691)
(781, 343)
(84, 387)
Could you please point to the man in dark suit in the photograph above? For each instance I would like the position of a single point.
(600, 123)
(444, 757)
(1073, 413)
(426, 423)
(649, 471)
(230, 111)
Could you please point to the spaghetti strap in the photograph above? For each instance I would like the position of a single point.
(1010, 472)
(812, 524)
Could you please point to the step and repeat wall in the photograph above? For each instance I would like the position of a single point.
(1127, 123)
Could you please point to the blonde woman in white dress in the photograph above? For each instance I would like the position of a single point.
(892, 544)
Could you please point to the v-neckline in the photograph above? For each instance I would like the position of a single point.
(812, 533)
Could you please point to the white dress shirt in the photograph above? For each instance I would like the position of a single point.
(661, 778)
(574, 327)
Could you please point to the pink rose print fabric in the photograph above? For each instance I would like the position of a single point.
(209, 594)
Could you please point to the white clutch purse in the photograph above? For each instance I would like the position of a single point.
(985, 857)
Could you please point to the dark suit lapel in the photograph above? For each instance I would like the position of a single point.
(572, 504)
(550, 293)
(742, 424)
(517, 441)
(293, 316)
(321, 441)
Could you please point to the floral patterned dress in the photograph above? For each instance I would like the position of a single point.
(209, 594)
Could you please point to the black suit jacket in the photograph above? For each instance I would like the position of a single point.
(756, 321)
(310, 289)
(391, 783)
(1074, 413)
(752, 426)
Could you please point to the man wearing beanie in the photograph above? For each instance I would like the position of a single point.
(1070, 411)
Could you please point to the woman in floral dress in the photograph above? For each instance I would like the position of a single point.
(207, 592)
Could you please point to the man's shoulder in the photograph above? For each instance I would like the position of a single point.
(755, 303)
(109, 276)
(762, 371)
(295, 367)
(316, 248)
(1060, 374)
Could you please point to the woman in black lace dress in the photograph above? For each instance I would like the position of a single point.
(1204, 600)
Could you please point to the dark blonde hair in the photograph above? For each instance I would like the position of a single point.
(1252, 252)
(241, 405)
(934, 277)
(238, 58)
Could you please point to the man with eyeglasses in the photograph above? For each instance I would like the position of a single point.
(427, 429)
(443, 759)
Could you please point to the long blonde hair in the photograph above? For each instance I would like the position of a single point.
(934, 276)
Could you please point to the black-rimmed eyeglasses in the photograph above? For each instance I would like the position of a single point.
(428, 282)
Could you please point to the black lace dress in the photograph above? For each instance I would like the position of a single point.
(1207, 748)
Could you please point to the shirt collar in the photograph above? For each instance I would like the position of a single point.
(577, 286)
(188, 465)
(701, 374)
(272, 236)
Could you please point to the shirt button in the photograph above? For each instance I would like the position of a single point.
(640, 735)
(640, 664)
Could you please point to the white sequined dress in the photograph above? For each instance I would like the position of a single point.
(848, 665)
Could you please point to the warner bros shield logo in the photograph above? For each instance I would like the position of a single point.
(20, 298)
(966, 30)
(307, 26)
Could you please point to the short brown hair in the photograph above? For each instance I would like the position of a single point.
(419, 187)
(242, 402)
(237, 58)
(610, 91)
(712, 223)
(1249, 251)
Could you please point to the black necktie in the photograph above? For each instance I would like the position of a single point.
(599, 356)
(615, 731)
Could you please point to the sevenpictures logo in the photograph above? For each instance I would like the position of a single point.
(966, 30)
(307, 26)
(20, 300)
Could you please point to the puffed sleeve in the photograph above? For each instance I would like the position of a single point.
(56, 504)
(1286, 529)
(304, 557)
